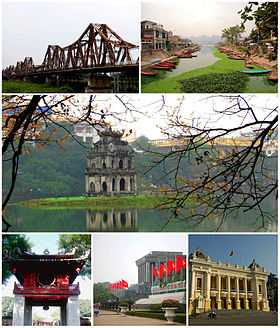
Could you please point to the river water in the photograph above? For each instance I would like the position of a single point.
(143, 220)
(204, 58)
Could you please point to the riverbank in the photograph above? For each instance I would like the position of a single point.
(97, 203)
(13, 86)
(224, 65)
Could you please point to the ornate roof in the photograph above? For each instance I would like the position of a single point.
(67, 263)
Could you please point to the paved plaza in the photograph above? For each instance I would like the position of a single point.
(109, 318)
(236, 318)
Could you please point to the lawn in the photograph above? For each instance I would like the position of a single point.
(22, 86)
(98, 202)
(223, 65)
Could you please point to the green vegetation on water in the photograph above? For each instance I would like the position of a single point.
(223, 66)
(98, 202)
(22, 86)
(223, 82)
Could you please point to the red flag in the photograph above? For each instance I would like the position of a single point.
(162, 270)
(178, 263)
(124, 284)
(155, 271)
(170, 267)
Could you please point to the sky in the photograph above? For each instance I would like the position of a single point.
(148, 118)
(30, 26)
(262, 248)
(193, 18)
(115, 254)
(49, 241)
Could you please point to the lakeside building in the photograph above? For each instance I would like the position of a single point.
(153, 36)
(110, 166)
(226, 286)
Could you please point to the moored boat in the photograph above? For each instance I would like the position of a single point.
(256, 71)
(145, 73)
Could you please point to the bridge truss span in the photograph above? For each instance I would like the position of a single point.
(98, 47)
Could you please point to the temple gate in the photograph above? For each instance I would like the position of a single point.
(46, 280)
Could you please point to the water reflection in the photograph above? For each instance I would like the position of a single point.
(143, 220)
(112, 220)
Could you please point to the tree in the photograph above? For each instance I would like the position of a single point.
(12, 245)
(102, 294)
(232, 34)
(82, 244)
(234, 174)
(7, 306)
(265, 17)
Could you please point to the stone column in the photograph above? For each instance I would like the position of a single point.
(264, 297)
(192, 293)
(18, 310)
(63, 315)
(246, 302)
(135, 184)
(255, 300)
(218, 298)
(73, 311)
(207, 304)
(28, 315)
(237, 294)
(228, 294)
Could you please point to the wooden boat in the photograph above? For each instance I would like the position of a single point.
(236, 57)
(148, 73)
(166, 65)
(273, 76)
(161, 67)
(185, 56)
(256, 71)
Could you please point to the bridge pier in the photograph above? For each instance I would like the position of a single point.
(100, 83)
(125, 82)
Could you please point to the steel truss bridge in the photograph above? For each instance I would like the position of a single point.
(99, 49)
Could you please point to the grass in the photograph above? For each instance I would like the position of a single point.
(98, 202)
(22, 86)
(223, 65)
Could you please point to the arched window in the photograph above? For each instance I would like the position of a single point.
(104, 165)
(131, 184)
(92, 187)
(121, 164)
(112, 164)
(123, 218)
(122, 184)
(129, 164)
(105, 217)
(114, 220)
(104, 186)
(93, 165)
(113, 184)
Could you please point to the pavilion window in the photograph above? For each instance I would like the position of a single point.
(199, 283)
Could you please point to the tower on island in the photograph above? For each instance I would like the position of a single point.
(110, 166)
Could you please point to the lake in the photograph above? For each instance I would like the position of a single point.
(142, 220)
